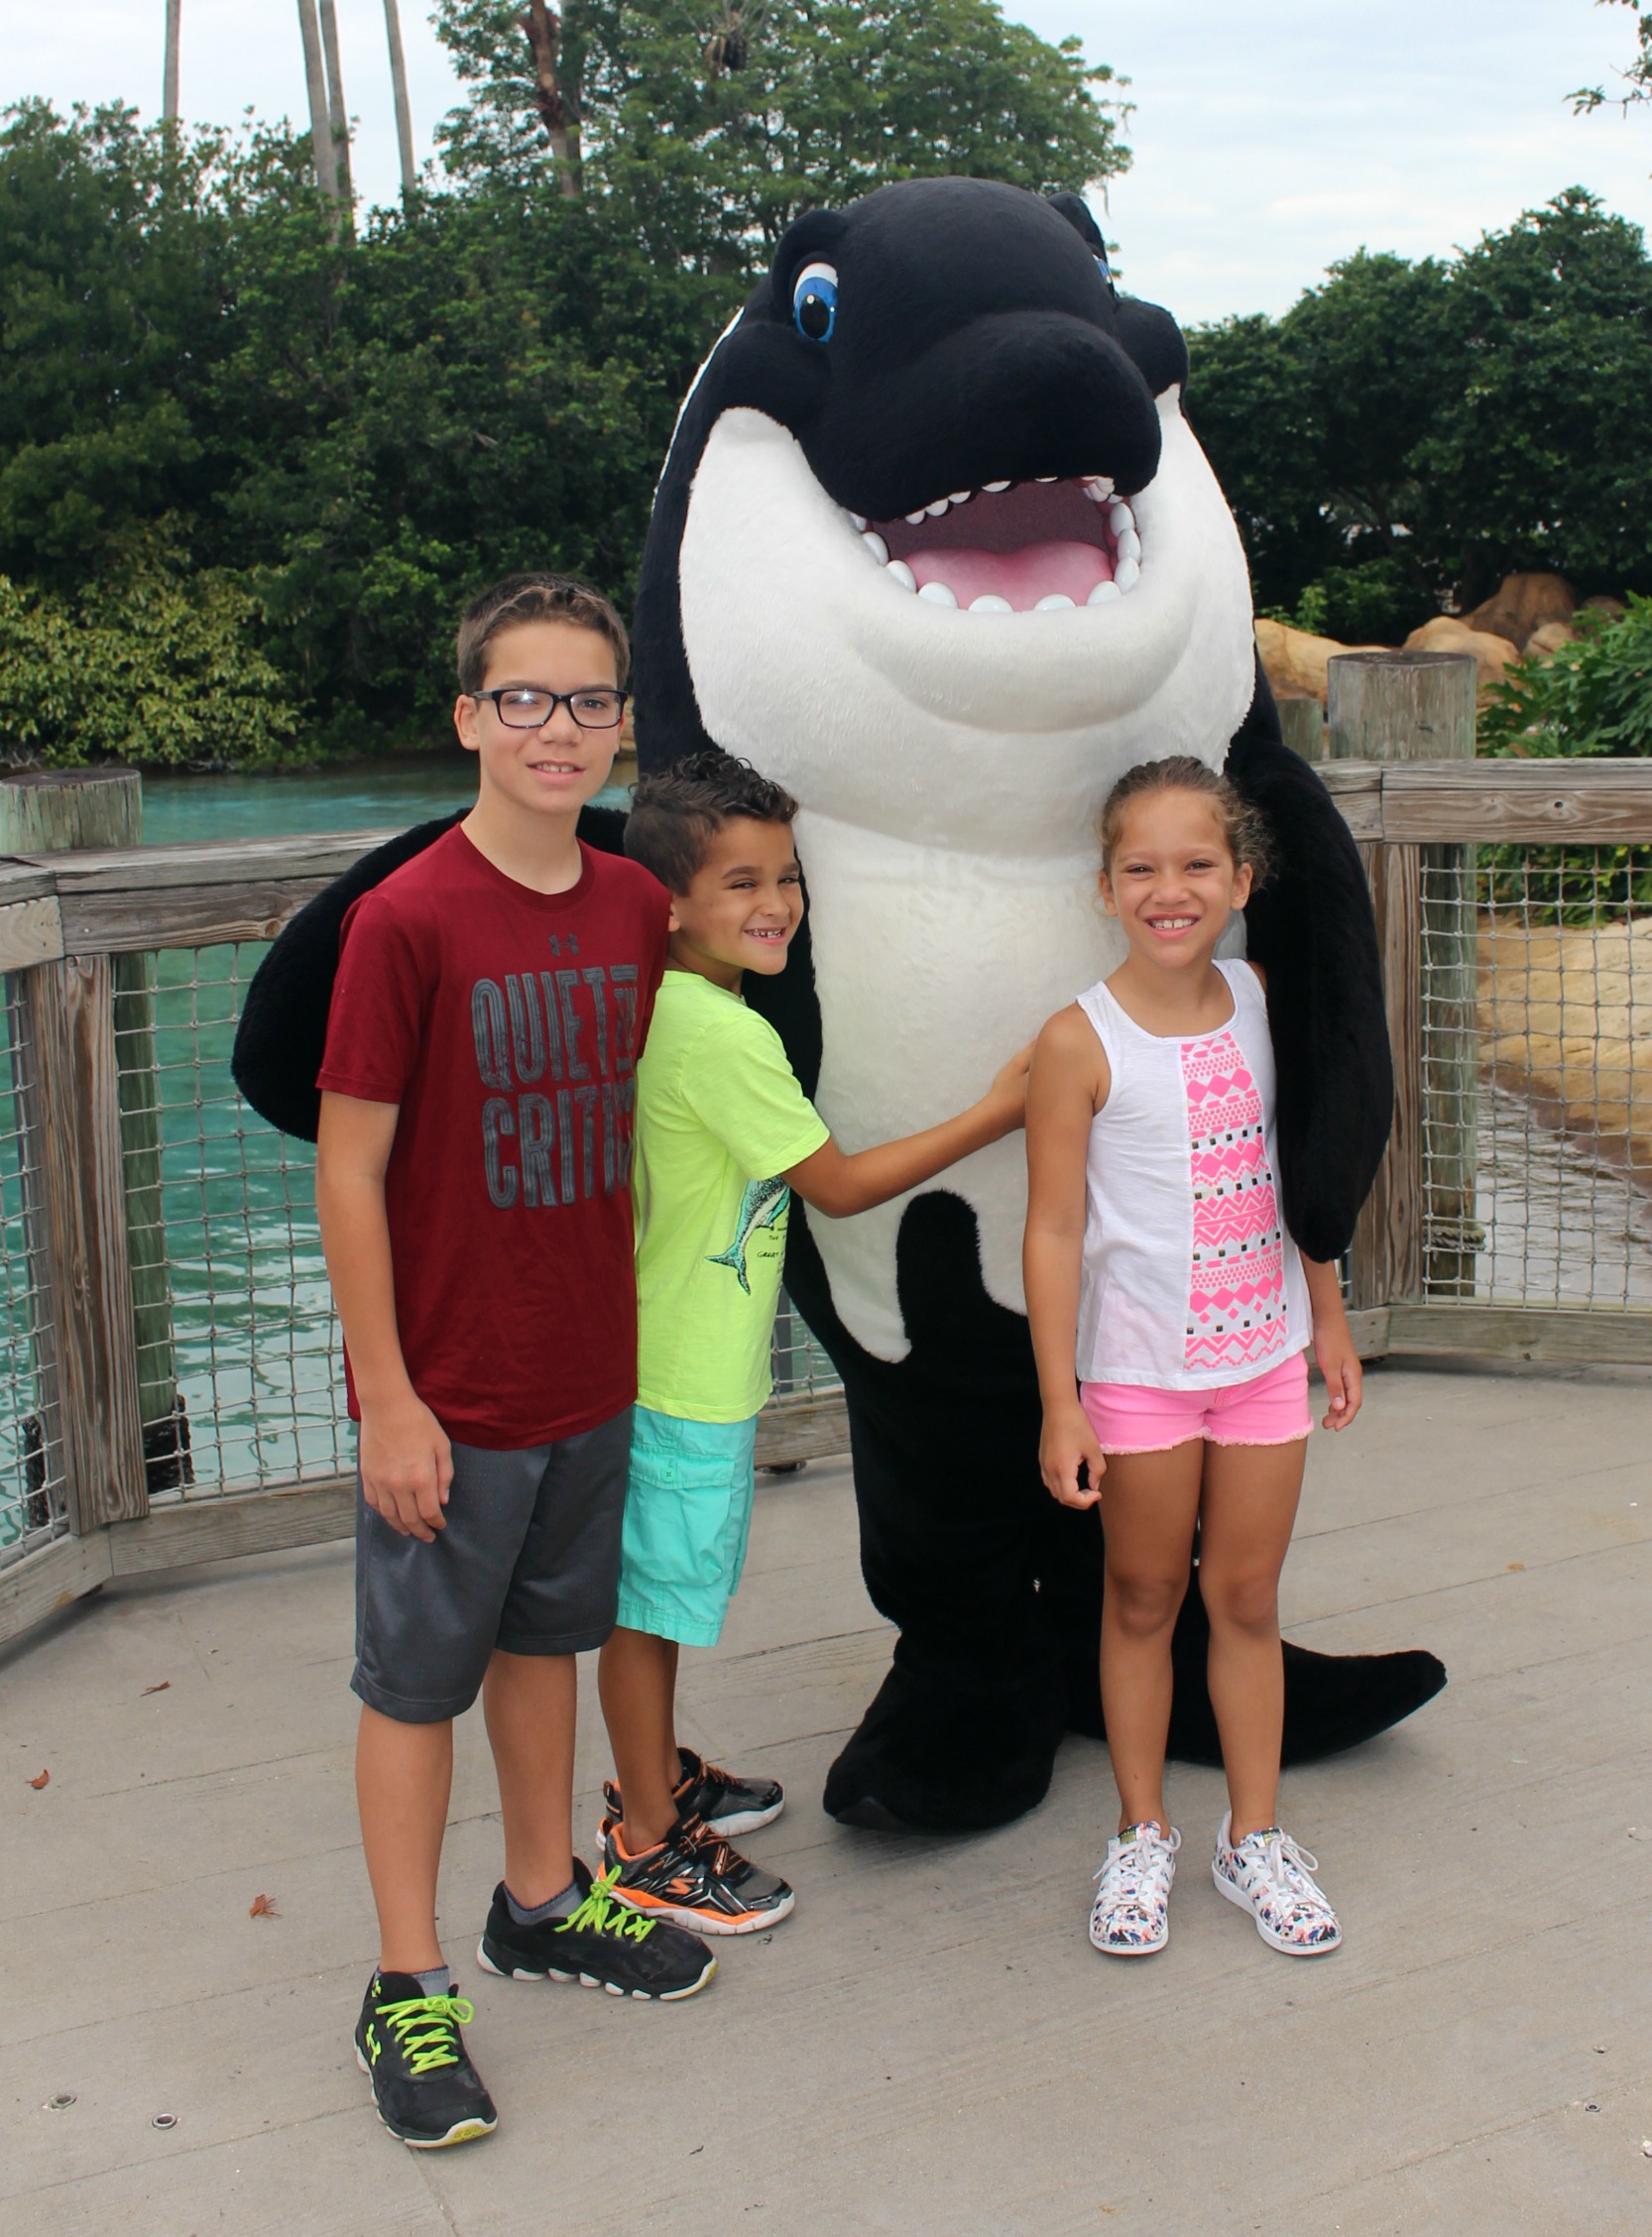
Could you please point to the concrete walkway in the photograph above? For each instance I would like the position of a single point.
(929, 2046)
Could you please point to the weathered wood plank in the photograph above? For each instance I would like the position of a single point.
(23, 881)
(801, 1428)
(1592, 803)
(31, 932)
(1562, 1334)
(203, 916)
(1387, 1256)
(74, 1097)
(1356, 789)
(1368, 1328)
(175, 1535)
(208, 861)
(42, 1583)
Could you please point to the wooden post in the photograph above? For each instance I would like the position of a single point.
(1302, 727)
(398, 85)
(48, 812)
(1419, 1234)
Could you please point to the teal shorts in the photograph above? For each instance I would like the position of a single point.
(688, 1512)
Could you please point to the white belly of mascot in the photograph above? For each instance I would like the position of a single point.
(951, 763)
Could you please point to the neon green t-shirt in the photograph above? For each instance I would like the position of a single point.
(719, 1115)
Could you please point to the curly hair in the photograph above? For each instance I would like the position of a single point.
(1243, 827)
(675, 814)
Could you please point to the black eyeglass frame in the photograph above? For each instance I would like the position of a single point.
(558, 699)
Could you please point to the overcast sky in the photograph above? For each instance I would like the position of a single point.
(1271, 136)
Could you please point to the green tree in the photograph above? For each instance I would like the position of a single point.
(1411, 433)
(708, 128)
(1311, 423)
(1637, 79)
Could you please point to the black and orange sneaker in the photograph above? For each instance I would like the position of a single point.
(725, 1804)
(409, 2047)
(600, 1943)
(695, 1880)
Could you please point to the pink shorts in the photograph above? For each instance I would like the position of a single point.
(1271, 1409)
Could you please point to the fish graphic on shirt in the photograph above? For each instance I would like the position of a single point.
(762, 1204)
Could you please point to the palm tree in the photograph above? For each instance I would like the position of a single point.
(403, 113)
(320, 118)
(338, 116)
(168, 80)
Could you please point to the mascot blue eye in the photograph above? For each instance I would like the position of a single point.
(814, 301)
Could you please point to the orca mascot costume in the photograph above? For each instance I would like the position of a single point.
(935, 548)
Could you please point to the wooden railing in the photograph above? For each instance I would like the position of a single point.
(64, 919)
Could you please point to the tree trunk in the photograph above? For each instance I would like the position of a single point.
(404, 111)
(168, 80)
(338, 116)
(558, 113)
(320, 120)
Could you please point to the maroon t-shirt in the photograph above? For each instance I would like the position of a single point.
(506, 1024)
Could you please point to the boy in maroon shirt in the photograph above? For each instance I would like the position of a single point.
(472, 1179)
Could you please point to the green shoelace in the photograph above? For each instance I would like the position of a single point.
(600, 1914)
(424, 2028)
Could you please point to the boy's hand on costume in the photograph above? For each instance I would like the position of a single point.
(406, 1466)
(1068, 1445)
(1008, 1093)
(1345, 1377)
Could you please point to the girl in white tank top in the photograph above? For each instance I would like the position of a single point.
(1170, 1315)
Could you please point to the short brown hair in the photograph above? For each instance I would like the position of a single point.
(535, 598)
(1242, 826)
(675, 815)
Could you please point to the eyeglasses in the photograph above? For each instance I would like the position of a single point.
(520, 708)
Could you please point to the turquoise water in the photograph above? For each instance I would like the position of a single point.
(366, 796)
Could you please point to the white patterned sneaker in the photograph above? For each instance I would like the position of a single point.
(1130, 1916)
(1271, 1877)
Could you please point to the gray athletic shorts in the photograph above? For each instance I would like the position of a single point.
(530, 1561)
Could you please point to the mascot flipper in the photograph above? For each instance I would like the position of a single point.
(935, 548)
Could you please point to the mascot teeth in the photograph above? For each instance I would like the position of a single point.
(1021, 550)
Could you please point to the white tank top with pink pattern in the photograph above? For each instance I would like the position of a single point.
(1190, 1280)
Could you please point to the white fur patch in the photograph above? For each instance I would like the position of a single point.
(949, 766)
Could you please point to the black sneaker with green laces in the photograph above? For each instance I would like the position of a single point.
(600, 1943)
(409, 2047)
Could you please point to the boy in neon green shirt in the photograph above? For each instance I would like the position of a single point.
(723, 1133)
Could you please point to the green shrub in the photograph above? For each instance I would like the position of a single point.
(151, 665)
(1592, 696)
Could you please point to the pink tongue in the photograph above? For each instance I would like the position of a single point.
(1037, 570)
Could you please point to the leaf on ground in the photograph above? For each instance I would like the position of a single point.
(162, 1686)
(263, 1907)
(43, 1780)
(1515, 1566)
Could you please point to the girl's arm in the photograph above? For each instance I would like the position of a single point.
(1068, 1086)
(407, 1463)
(840, 1182)
(1339, 1362)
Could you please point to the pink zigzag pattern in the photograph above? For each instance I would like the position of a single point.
(1236, 1283)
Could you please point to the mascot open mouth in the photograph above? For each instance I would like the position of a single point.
(1013, 547)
